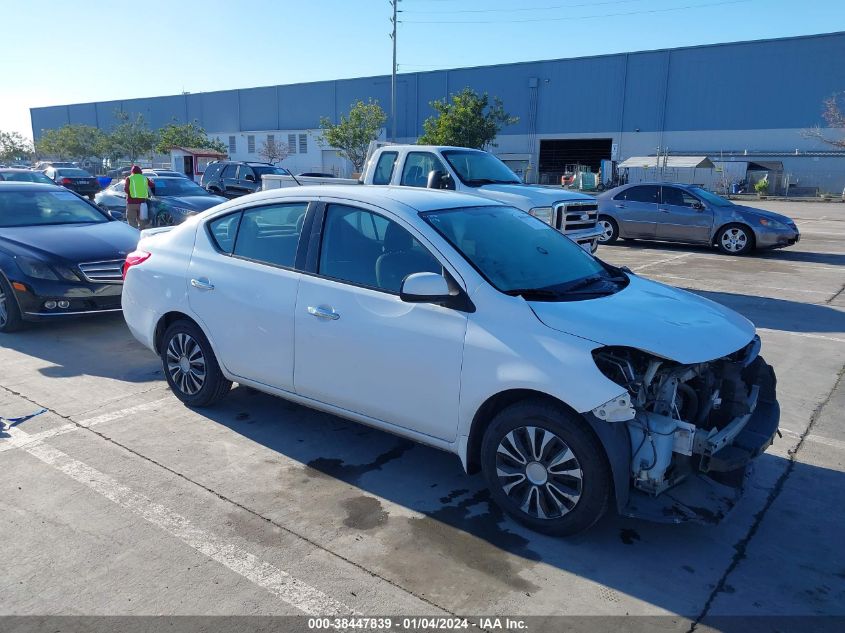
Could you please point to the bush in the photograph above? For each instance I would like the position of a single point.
(761, 186)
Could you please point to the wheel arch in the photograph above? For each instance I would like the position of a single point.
(613, 437)
(168, 319)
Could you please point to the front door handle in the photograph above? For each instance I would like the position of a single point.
(323, 313)
(620, 206)
(663, 209)
(202, 284)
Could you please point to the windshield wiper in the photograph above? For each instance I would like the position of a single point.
(490, 181)
(538, 293)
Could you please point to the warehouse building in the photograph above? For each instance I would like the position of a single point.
(743, 105)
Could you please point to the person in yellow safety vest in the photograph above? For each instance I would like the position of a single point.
(138, 190)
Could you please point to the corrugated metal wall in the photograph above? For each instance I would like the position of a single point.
(756, 85)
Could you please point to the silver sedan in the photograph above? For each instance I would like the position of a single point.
(686, 213)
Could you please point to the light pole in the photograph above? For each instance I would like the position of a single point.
(393, 4)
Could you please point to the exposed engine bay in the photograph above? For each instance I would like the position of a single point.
(685, 419)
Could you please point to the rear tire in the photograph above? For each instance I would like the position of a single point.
(190, 366)
(545, 469)
(10, 313)
(610, 230)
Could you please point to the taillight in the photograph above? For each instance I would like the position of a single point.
(133, 259)
(66, 181)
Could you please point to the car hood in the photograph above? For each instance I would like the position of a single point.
(193, 203)
(649, 316)
(72, 243)
(526, 197)
(761, 213)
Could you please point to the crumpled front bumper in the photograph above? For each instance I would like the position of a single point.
(708, 495)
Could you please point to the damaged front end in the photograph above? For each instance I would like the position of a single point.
(694, 429)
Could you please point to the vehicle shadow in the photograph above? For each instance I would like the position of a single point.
(454, 521)
(780, 314)
(94, 346)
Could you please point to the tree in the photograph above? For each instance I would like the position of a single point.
(71, 141)
(352, 135)
(131, 137)
(186, 135)
(273, 151)
(834, 116)
(14, 146)
(468, 121)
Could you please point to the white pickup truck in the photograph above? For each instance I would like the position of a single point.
(470, 171)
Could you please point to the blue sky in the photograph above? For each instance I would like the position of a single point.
(57, 52)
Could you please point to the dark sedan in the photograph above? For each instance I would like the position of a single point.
(673, 212)
(60, 255)
(75, 179)
(173, 201)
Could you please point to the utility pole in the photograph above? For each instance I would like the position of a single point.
(393, 4)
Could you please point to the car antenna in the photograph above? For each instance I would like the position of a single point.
(290, 173)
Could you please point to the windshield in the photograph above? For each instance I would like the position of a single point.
(73, 172)
(32, 208)
(521, 255)
(479, 168)
(712, 198)
(177, 187)
(261, 170)
(25, 176)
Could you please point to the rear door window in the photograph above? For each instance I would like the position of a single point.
(270, 234)
(384, 168)
(230, 171)
(641, 193)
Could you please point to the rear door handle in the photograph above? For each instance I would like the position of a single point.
(323, 313)
(202, 284)
(620, 206)
(663, 209)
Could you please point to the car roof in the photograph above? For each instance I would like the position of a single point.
(417, 198)
(15, 170)
(16, 185)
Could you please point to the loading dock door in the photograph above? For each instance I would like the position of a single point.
(556, 154)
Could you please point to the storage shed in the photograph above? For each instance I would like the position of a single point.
(192, 161)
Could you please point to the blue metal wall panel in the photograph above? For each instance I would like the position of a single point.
(259, 108)
(645, 85)
(302, 105)
(756, 85)
(106, 111)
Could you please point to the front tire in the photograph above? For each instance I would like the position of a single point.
(545, 469)
(190, 366)
(610, 230)
(10, 313)
(735, 239)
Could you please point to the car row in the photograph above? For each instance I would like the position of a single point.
(173, 199)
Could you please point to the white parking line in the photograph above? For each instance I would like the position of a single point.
(818, 439)
(277, 581)
(661, 261)
(803, 335)
(18, 441)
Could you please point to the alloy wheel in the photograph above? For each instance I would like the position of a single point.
(734, 239)
(606, 230)
(539, 472)
(186, 363)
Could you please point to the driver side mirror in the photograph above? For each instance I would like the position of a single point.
(250, 178)
(698, 206)
(438, 179)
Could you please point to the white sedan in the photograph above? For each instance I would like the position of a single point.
(469, 326)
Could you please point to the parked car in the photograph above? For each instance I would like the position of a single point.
(120, 172)
(674, 212)
(163, 172)
(471, 171)
(173, 200)
(470, 326)
(60, 255)
(24, 175)
(75, 179)
(317, 174)
(233, 178)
